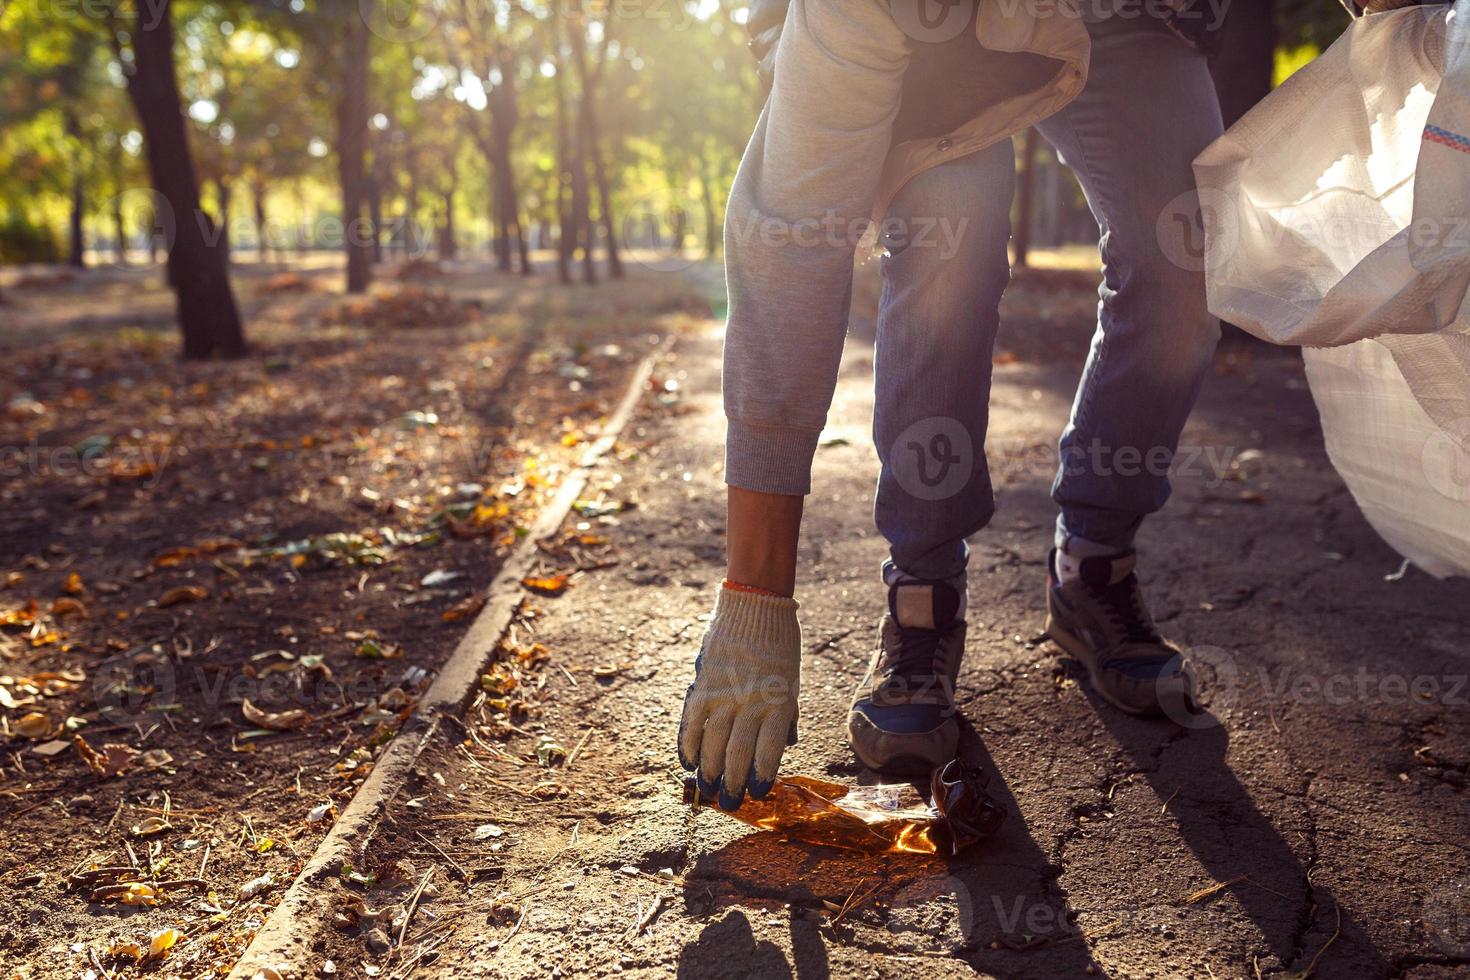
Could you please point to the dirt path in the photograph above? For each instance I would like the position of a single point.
(1321, 824)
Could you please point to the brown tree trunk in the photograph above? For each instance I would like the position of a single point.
(375, 212)
(120, 229)
(589, 139)
(712, 240)
(500, 207)
(1027, 201)
(352, 120)
(223, 187)
(76, 253)
(565, 243)
(208, 317)
(447, 245)
(262, 238)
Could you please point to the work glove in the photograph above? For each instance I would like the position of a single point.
(740, 712)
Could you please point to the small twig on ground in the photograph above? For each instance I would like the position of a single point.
(572, 755)
(1165, 808)
(1336, 931)
(452, 863)
(646, 919)
(413, 903)
(1215, 889)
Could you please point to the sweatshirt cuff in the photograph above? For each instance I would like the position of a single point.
(770, 459)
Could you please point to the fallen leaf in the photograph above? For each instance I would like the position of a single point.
(371, 649)
(139, 894)
(548, 751)
(161, 942)
(113, 760)
(67, 606)
(73, 585)
(321, 812)
(184, 593)
(154, 758)
(33, 724)
(52, 748)
(276, 721)
(465, 608)
(552, 585)
(257, 886)
(25, 616)
(487, 831)
(151, 826)
(132, 950)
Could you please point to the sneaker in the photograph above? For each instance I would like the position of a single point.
(902, 720)
(1098, 617)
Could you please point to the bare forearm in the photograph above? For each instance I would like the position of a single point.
(763, 531)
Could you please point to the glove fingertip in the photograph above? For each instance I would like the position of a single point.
(791, 733)
(730, 801)
(757, 787)
(687, 746)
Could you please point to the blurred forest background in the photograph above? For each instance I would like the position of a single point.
(523, 130)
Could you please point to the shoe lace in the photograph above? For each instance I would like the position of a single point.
(918, 653)
(1124, 603)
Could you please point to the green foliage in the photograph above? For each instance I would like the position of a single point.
(22, 241)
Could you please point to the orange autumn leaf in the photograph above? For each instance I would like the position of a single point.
(24, 616)
(174, 557)
(184, 593)
(463, 609)
(73, 584)
(547, 584)
(67, 606)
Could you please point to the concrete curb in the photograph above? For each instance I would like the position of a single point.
(284, 942)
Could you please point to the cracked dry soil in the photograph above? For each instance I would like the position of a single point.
(1317, 823)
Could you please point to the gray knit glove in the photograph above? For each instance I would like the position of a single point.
(740, 712)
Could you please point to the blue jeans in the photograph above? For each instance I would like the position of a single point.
(1149, 107)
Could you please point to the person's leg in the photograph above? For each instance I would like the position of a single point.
(944, 269)
(804, 191)
(1148, 109)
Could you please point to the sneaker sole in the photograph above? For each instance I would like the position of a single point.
(925, 752)
(1080, 651)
